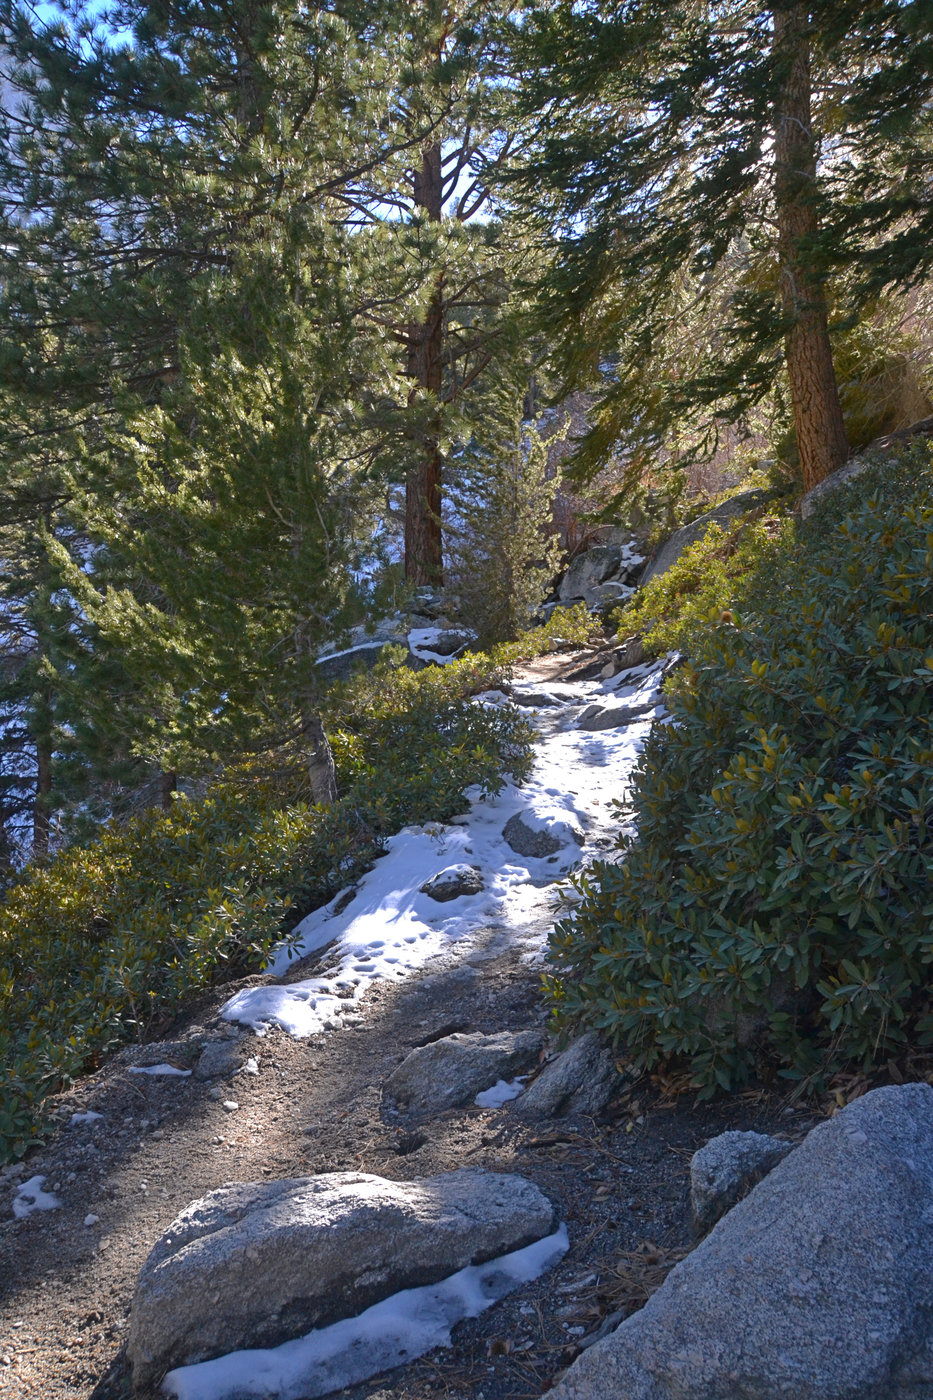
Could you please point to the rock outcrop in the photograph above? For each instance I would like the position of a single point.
(818, 1285)
(602, 576)
(258, 1263)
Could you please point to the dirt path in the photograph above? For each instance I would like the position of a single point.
(304, 1107)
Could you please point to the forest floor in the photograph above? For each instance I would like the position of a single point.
(314, 1105)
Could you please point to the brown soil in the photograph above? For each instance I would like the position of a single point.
(314, 1106)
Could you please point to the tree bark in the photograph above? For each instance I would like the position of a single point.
(821, 435)
(168, 786)
(321, 772)
(424, 553)
(42, 814)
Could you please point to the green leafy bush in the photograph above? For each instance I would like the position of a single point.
(775, 909)
(112, 938)
(674, 609)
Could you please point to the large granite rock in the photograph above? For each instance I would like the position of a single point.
(255, 1264)
(726, 1169)
(674, 547)
(817, 1286)
(582, 1079)
(450, 1072)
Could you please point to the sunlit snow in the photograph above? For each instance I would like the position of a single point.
(389, 929)
(389, 1334)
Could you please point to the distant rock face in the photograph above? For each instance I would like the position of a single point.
(453, 882)
(450, 1072)
(726, 1169)
(582, 1079)
(817, 1286)
(674, 547)
(538, 842)
(256, 1264)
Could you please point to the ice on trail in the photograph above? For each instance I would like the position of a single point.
(389, 1334)
(503, 1091)
(30, 1197)
(388, 929)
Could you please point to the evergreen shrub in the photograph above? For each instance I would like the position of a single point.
(771, 909)
(111, 939)
(674, 608)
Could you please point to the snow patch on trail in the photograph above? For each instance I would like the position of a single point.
(30, 1197)
(503, 1091)
(389, 1334)
(388, 928)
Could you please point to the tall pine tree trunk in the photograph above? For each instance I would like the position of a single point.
(821, 435)
(42, 813)
(322, 775)
(424, 556)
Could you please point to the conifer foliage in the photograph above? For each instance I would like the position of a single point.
(763, 167)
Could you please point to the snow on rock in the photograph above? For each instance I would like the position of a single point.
(89, 1117)
(454, 882)
(389, 1334)
(503, 1091)
(439, 644)
(259, 1263)
(30, 1197)
(390, 928)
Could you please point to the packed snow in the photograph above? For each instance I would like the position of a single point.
(389, 1334)
(30, 1197)
(160, 1069)
(388, 928)
(503, 1091)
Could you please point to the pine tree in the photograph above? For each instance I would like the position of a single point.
(730, 162)
(433, 208)
(179, 294)
(504, 549)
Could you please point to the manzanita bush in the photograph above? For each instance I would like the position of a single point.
(112, 938)
(771, 905)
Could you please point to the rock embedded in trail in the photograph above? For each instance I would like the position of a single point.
(450, 1072)
(614, 716)
(726, 1169)
(539, 842)
(255, 1264)
(453, 882)
(817, 1286)
(582, 1079)
(220, 1059)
